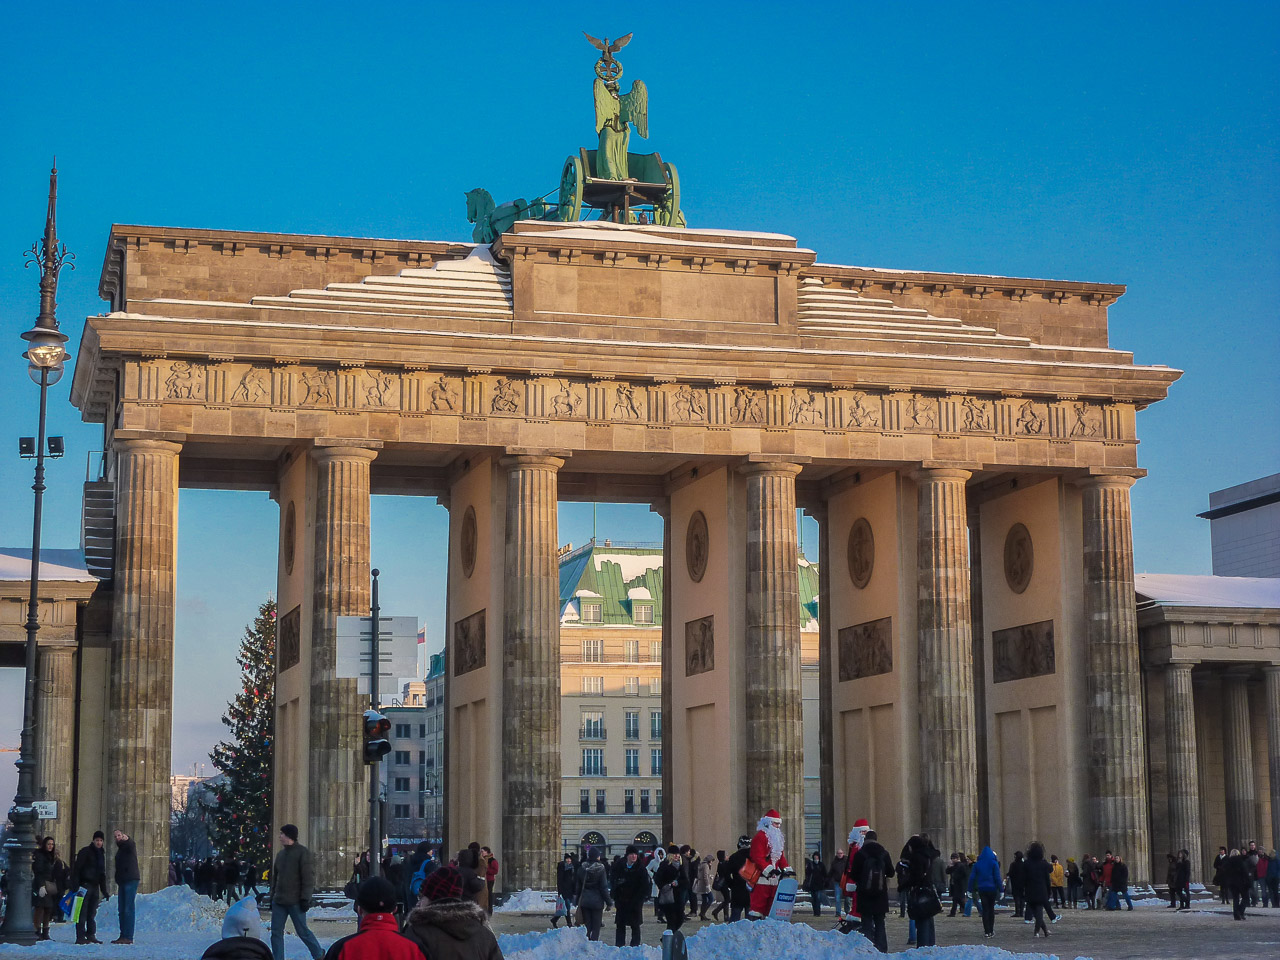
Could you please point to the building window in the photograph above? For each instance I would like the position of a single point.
(401, 811)
(633, 725)
(592, 725)
(633, 763)
(403, 731)
(402, 758)
(631, 650)
(422, 758)
(592, 651)
(633, 686)
(643, 613)
(600, 804)
(655, 686)
(592, 611)
(655, 762)
(655, 724)
(659, 799)
(628, 801)
(422, 731)
(584, 801)
(644, 801)
(402, 785)
(593, 686)
(592, 763)
(655, 651)
(422, 809)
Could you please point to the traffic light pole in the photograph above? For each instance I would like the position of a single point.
(375, 667)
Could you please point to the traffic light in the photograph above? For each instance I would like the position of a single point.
(376, 744)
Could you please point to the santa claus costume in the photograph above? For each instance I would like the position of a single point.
(856, 837)
(766, 853)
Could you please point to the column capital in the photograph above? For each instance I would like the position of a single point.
(327, 450)
(940, 474)
(766, 464)
(526, 460)
(1103, 481)
(155, 443)
(1174, 666)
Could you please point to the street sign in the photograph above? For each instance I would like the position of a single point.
(46, 809)
(397, 651)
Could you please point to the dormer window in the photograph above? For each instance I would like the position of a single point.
(642, 612)
(592, 611)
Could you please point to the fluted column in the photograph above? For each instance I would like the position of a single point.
(1117, 747)
(337, 792)
(1272, 675)
(139, 742)
(1183, 769)
(775, 736)
(531, 674)
(55, 735)
(948, 761)
(1237, 761)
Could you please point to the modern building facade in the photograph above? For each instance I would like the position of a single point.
(611, 722)
(1244, 525)
(413, 772)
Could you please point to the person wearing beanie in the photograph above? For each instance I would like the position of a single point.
(593, 893)
(630, 891)
(241, 935)
(292, 883)
(89, 873)
(128, 876)
(446, 927)
(378, 937)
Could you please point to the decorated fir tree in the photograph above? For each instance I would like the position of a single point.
(242, 814)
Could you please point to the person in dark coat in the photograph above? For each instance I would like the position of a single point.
(1036, 886)
(128, 876)
(593, 894)
(920, 855)
(835, 876)
(566, 887)
(90, 874)
(1218, 880)
(1120, 881)
(739, 892)
(445, 926)
(1182, 879)
(292, 885)
(1237, 880)
(1017, 878)
(873, 868)
(721, 886)
(44, 886)
(815, 881)
(958, 882)
(630, 891)
(671, 875)
(473, 885)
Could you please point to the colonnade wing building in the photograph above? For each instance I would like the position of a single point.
(966, 443)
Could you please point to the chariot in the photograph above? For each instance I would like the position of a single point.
(652, 192)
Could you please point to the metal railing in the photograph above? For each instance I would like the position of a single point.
(592, 733)
(593, 771)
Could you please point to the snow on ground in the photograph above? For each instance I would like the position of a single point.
(528, 901)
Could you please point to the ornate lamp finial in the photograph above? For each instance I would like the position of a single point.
(50, 257)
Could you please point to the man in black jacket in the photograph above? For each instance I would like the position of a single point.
(1183, 878)
(920, 855)
(1120, 882)
(872, 867)
(90, 874)
(739, 892)
(128, 877)
(1017, 877)
(630, 892)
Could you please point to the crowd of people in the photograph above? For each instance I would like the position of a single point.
(219, 878)
(1247, 876)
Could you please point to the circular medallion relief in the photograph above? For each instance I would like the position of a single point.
(696, 546)
(289, 538)
(1018, 558)
(469, 539)
(862, 553)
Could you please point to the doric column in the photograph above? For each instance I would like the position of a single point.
(55, 734)
(948, 762)
(337, 794)
(1183, 769)
(1237, 761)
(775, 737)
(1272, 674)
(1117, 748)
(139, 742)
(531, 674)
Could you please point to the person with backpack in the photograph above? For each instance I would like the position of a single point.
(985, 880)
(873, 866)
(923, 903)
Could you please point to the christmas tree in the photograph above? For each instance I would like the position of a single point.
(242, 815)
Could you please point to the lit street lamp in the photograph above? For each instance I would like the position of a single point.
(45, 358)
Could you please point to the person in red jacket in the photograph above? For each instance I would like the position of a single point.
(490, 873)
(379, 935)
(766, 854)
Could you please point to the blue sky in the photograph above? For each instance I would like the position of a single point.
(1128, 143)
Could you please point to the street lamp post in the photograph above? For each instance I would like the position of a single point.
(45, 358)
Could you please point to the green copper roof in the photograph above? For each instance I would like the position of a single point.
(617, 574)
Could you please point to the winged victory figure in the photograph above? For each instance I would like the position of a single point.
(615, 112)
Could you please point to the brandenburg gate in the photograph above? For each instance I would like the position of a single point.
(966, 444)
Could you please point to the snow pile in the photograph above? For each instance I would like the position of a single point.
(528, 901)
(167, 910)
(566, 942)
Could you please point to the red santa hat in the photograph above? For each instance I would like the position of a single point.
(775, 816)
(859, 832)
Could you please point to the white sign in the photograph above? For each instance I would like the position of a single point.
(397, 651)
(46, 809)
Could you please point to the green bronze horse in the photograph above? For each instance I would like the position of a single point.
(492, 220)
